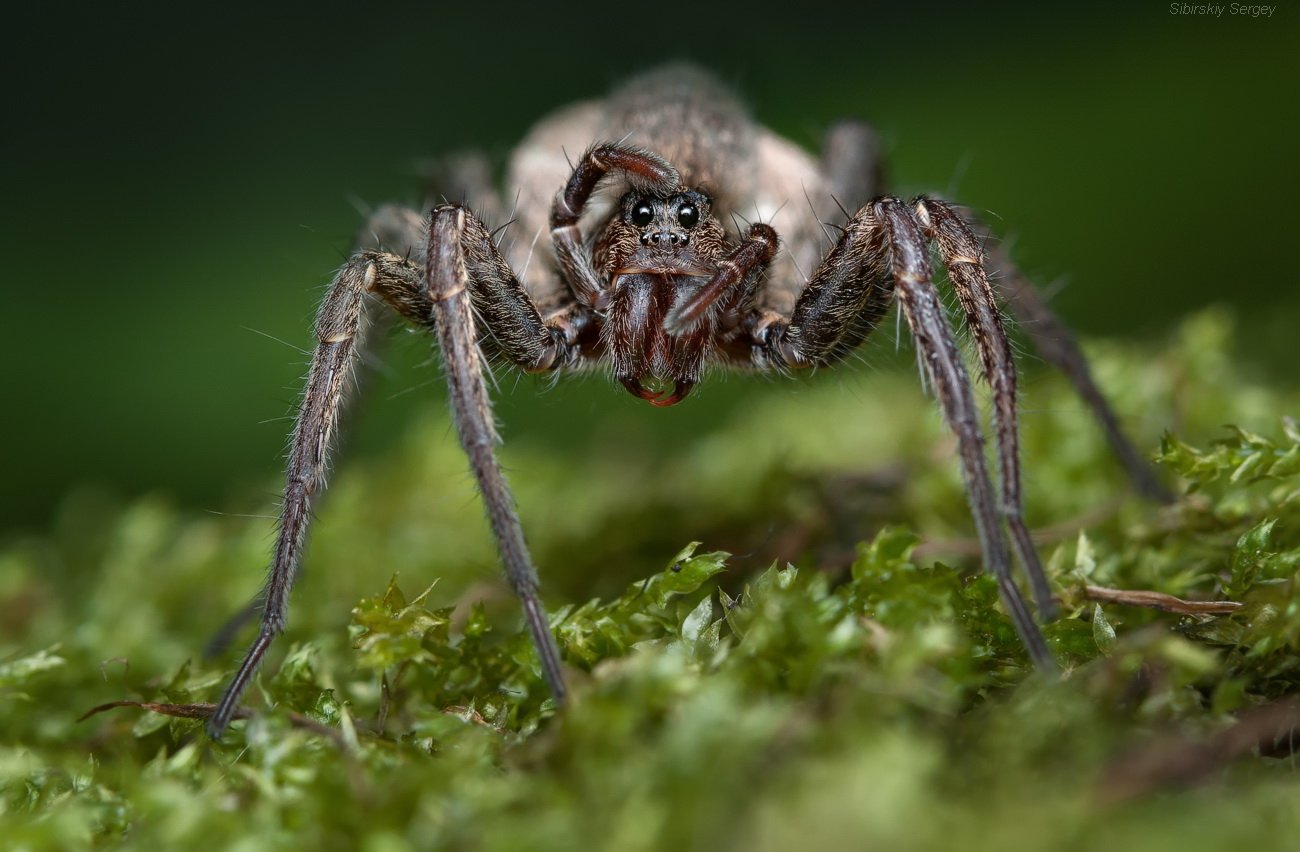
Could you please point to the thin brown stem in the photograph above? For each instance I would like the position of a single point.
(1160, 601)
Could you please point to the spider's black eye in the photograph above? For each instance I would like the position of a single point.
(643, 214)
(688, 214)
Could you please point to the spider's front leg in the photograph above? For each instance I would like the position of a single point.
(466, 274)
(916, 293)
(963, 256)
(883, 255)
(853, 165)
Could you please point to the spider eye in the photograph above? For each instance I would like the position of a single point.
(688, 214)
(643, 214)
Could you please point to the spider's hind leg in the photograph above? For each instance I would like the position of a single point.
(340, 329)
(853, 163)
(1058, 347)
(390, 231)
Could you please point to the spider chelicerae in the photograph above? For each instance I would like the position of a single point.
(643, 275)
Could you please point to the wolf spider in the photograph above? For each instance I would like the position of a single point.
(643, 275)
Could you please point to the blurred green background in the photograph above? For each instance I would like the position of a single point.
(180, 184)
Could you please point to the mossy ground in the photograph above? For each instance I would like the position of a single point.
(844, 695)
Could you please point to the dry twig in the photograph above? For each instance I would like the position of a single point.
(1160, 601)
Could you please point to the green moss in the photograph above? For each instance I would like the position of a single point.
(851, 695)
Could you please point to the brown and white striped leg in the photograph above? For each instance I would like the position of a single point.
(461, 261)
(340, 328)
(916, 294)
(881, 256)
(390, 231)
(1058, 347)
(737, 273)
(962, 255)
(853, 165)
(481, 283)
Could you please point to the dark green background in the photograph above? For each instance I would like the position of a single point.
(174, 179)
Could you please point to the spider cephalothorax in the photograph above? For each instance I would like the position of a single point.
(652, 284)
(658, 254)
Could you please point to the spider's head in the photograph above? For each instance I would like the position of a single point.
(657, 250)
(675, 234)
(665, 222)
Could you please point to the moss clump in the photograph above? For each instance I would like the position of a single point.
(846, 696)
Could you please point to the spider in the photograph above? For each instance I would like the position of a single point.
(644, 276)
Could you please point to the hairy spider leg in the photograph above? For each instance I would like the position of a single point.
(853, 162)
(464, 275)
(462, 261)
(963, 257)
(735, 275)
(340, 329)
(916, 293)
(882, 255)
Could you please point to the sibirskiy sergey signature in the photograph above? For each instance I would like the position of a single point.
(1213, 11)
